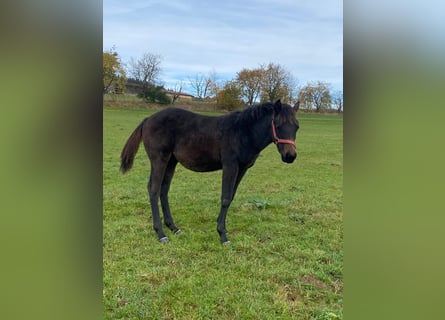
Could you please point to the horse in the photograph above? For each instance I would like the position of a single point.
(230, 142)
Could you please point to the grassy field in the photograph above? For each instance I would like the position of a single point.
(285, 224)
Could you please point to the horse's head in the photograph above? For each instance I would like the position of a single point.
(284, 130)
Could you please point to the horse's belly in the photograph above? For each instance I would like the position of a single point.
(199, 162)
(202, 167)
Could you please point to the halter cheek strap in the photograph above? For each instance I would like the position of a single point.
(277, 140)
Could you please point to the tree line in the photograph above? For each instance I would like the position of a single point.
(267, 82)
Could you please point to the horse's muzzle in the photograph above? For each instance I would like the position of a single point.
(289, 157)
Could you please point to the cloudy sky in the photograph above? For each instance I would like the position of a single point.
(197, 36)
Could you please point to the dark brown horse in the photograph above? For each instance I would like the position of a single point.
(200, 143)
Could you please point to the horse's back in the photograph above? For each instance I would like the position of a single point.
(193, 139)
(180, 122)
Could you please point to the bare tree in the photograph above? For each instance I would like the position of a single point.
(197, 83)
(337, 100)
(292, 90)
(146, 69)
(177, 90)
(211, 85)
(204, 86)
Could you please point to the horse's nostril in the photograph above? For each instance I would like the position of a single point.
(289, 158)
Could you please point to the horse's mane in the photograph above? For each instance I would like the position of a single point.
(254, 113)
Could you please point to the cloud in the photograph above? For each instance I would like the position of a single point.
(197, 36)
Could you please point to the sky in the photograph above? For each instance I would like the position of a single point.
(224, 37)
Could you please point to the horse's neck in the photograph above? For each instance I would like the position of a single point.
(261, 135)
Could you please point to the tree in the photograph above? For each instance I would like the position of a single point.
(250, 84)
(277, 83)
(197, 83)
(211, 87)
(114, 77)
(177, 90)
(146, 69)
(315, 95)
(229, 98)
(204, 86)
(337, 100)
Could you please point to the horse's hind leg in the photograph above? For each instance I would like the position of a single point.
(165, 187)
(158, 168)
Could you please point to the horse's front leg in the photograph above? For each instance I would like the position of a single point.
(229, 177)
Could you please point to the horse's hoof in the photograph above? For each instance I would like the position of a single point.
(178, 231)
(163, 240)
(226, 243)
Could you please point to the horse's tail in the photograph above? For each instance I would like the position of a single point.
(131, 148)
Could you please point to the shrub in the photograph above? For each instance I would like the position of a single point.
(155, 94)
(229, 98)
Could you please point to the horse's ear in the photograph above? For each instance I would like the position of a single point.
(297, 105)
(277, 106)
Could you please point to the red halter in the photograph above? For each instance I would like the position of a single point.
(278, 140)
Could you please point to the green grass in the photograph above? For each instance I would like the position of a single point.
(285, 224)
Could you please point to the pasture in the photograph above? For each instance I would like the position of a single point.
(285, 224)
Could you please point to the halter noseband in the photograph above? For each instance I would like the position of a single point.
(277, 140)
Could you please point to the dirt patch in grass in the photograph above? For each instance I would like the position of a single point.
(122, 302)
(290, 295)
(316, 283)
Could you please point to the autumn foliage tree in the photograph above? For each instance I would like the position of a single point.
(266, 83)
(315, 96)
(277, 83)
(114, 77)
(249, 82)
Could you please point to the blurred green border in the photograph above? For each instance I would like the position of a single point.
(51, 163)
(394, 158)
